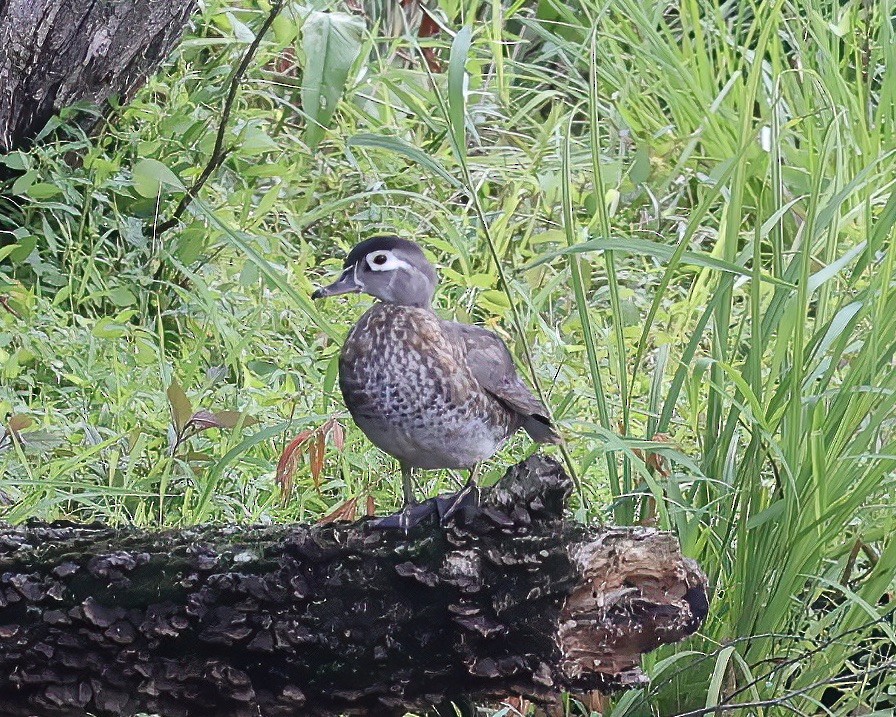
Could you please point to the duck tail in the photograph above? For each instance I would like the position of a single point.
(540, 429)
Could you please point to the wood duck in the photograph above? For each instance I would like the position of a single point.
(430, 392)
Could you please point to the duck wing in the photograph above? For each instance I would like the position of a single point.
(492, 366)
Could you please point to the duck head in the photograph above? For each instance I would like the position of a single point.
(392, 269)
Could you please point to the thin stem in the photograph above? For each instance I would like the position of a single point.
(219, 152)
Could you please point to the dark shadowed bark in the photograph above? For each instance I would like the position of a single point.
(54, 53)
(503, 597)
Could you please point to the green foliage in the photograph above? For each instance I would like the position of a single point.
(331, 42)
(680, 215)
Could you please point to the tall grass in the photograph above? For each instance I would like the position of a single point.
(790, 387)
(680, 215)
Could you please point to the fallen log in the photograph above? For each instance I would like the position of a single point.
(502, 597)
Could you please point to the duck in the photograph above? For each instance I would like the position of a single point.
(432, 393)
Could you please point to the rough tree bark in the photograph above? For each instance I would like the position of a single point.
(54, 53)
(504, 597)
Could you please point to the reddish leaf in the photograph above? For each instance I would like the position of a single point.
(345, 512)
(230, 419)
(337, 433)
(432, 60)
(316, 453)
(286, 62)
(286, 466)
(371, 507)
(202, 420)
(17, 422)
(181, 408)
(656, 461)
(428, 26)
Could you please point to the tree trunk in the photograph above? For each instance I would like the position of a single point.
(54, 53)
(501, 597)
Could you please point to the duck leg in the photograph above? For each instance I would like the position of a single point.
(467, 496)
(442, 507)
(461, 484)
(412, 514)
(407, 485)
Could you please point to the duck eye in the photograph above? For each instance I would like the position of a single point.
(380, 259)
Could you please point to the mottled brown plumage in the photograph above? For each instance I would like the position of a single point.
(433, 393)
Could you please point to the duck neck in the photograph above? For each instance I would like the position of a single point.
(426, 305)
(417, 292)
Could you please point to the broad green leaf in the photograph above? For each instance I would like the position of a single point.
(108, 328)
(254, 141)
(285, 29)
(151, 178)
(15, 160)
(181, 408)
(20, 251)
(714, 692)
(24, 249)
(241, 30)
(24, 182)
(457, 83)
(121, 296)
(249, 274)
(331, 41)
(191, 243)
(43, 190)
(494, 300)
(64, 293)
(640, 170)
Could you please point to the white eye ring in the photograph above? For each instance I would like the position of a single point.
(383, 261)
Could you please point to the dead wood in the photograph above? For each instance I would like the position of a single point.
(504, 597)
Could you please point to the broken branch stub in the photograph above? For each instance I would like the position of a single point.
(504, 597)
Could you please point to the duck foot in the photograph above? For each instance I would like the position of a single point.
(466, 497)
(407, 518)
(442, 508)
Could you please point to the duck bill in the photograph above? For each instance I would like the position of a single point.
(345, 284)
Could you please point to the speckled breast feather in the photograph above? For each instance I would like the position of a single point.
(407, 385)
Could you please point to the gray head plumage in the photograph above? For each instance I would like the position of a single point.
(394, 270)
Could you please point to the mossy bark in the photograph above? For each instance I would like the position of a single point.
(504, 597)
